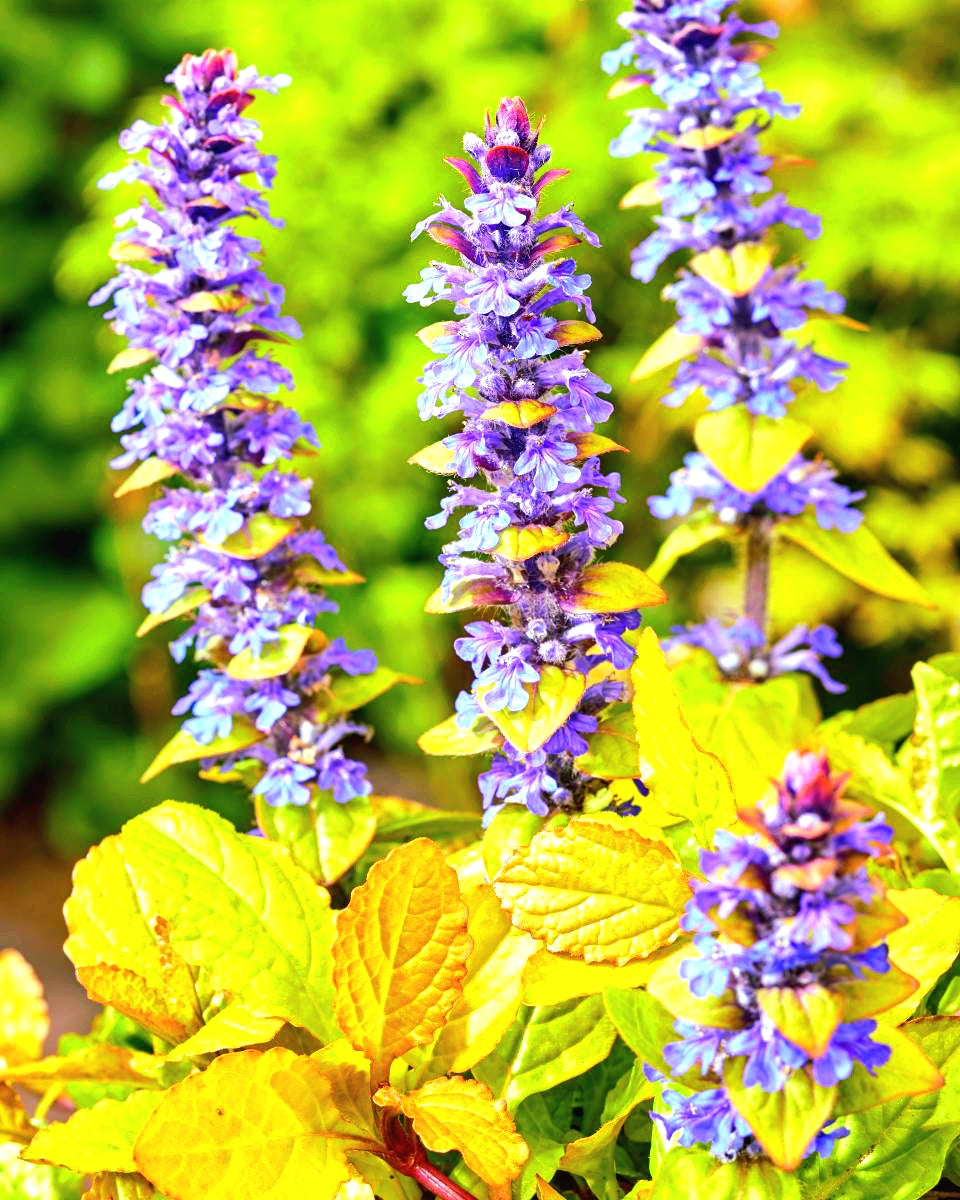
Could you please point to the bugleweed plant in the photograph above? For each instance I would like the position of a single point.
(707, 943)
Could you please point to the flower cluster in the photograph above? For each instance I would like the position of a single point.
(737, 311)
(241, 565)
(538, 506)
(785, 920)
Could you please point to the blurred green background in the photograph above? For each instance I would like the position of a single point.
(382, 90)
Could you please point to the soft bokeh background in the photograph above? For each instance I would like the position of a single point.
(382, 90)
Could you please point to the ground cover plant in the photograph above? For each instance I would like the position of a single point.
(699, 940)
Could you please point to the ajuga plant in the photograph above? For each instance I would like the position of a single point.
(273, 702)
(739, 340)
(528, 473)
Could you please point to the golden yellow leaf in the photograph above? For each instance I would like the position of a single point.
(14, 1123)
(166, 1006)
(436, 458)
(595, 891)
(24, 1021)
(614, 587)
(187, 603)
(400, 954)
(460, 1114)
(574, 333)
(256, 1125)
(520, 543)
(149, 472)
(551, 702)
(520, 414)
(491, 991)
(588, 444)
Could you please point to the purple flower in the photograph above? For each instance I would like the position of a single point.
(204, 313)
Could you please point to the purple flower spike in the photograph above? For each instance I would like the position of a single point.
(526, 461)
(203, 313)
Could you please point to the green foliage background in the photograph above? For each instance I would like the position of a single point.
(382, 90)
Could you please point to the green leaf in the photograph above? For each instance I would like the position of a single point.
(550, 703)
(258, 1124)
(348, 692)
(933, 759)
(236, 906)
(908, 1072)
(858, 555)
(698, 530)
(182, 747)
(275, 658)
(592, 1157)
(611, 587)
(686, 1174)
(545, 1046)
(748, 450)
(261, 534)
(643, 1022)
(95, 1139)
(544, 1124)
(21, 1180)
(686, 781)
(784, 1122)
(897, 1150)
(595, 890)
(325, 838)
(400, 820)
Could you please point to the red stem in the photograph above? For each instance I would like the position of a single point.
(428, 1176)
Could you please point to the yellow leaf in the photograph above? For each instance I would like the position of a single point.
(432, 333)
(807, 1016)
(400, 954)
(687, 781)
(749, 451)
(574, 333)
(167, 1007)
(97, 1063)
(183, 748)
(669, 348)
(232, 1028)
(491, 991)
(24, 1020)
(551, 978)
(149, 472)
(179, 608)
(275, 658)
(257, 1124)
(588, 444)
(449, 738)
(705, 138)
(614, 587)
(15, 1125)
(463, 1115)
(94, 1139)
(907, 1072)
(308, 570)
(546, 1191)
(784, 1122)
(473, 592)
(518, 543)
(133, 356)
(737, 271)
(642, 195)
(436, 458)
(595, 891)
(201, 302)
(667, 985)
(551, 702)
(925, 947)
(261, 534)
(520, 414)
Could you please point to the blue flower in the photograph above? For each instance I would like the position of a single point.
(285, 782)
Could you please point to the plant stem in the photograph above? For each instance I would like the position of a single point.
(428, 1176)
(757, 590)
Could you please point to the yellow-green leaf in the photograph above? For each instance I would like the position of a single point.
(348, 692)
(614, 587)
(877, 995)
(436, 458)
(259, 535)
(449, 738)
(518, 543)
(807, 1016)
(908, 1072)
(309, 571)
(519, 414)
(747, 450)
(645, 194)
(233, 1028)
(183, 747)
(257, 1124)
(595, 891)
(463, 1115)
(550, 978)
(550, 703)
(187, 603)
(147, 473)
(430, 334)
(324, 837)
(224, 301)
(858, 555)
(24, 1020)
(99, 1062)
(95, 1139)
(698, 530)
(401, 954)
(275, 658)
(784, 1122)
(925, 947)
(669, 348)
(15, 1125)
(737, 271)
(613, 752)
(166, 1007)
(686, 781)
(473, 592)
(491, 991)
(673, 991)
(133, 356)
